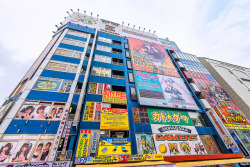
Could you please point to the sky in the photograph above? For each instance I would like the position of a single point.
(214, 29)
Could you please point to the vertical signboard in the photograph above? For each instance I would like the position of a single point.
(83, 143)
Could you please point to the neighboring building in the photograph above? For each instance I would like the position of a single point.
(102, 92)
(234, 79)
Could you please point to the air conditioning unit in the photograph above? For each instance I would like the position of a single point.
(181, 66)
(195, 88)
(205, 104)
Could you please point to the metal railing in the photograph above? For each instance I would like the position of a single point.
(117, 63)
(119, 53)
(118, 76)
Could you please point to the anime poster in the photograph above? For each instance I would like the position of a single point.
(57, 66)
(163, 91)
(66, 85)
(209, 144)
(47, 85)
(98, 88)
(182, 143)
(136, 115)
(145, 144)
(46, 150)
(32, 111)
(151, 57)
(22, 151)
(6, 151)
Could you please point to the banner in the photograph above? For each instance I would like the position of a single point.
(40, 164)
(209, 144)
(178, 144)
(151, 57)
(89, 110)
(145, 144)
(163, 91)
(57, 67)
(83, 143)
(47, 85)
(114, 97)
(94, 142)
(114, 118)
(110, 146)
(169, 117)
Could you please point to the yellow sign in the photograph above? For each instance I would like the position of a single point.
(88, 112)
(114, 118)
(234, 126)
(114, 97)
(110, 146)
(83, 143)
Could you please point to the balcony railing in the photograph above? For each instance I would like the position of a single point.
(119, 53)
(118, 63)
(118, 76)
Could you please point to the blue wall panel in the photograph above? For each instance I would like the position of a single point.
(111, 81)
(62, 45)
(81, 28)
(105, 35)
(75, 37)
(90, 125)
(47, 96)
(75, 98)
(81, 77)
(65, 59)
(32, 127)
(58, 74)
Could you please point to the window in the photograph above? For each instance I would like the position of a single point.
(86, 57)
(126, 46)
(118, 74)
(102, 58)
(77, 33)
(133, 93)
(117, 61)
(118, 88)
(117, 42)
(103, 48)
(83, 70)
(127, 54)
(102, 39)
(74, 42)
(68, 53)
(99, 71)
(131, 77)
(53, 85)
(117, 51)
(129, 64)
(62, 67)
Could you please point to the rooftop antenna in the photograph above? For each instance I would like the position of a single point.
(84, 12)
(91, 15)
(139, 29)
(72, 10)
(61, 23)
(154, 32)
(122, 24)
(133, 27)
(78, 11)
(149, 31)
(97, 16)
(56, 26)
(144, 29)
(64, 17)
(68, 13)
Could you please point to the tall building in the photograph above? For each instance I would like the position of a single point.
(102, 92)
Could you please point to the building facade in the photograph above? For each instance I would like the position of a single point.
(102, 92)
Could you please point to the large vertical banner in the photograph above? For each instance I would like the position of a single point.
(163, 91)
(151, 57)
(83, 143)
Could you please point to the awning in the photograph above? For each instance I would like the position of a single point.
(129, 164)
(211, 162)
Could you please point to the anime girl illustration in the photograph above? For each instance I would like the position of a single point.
(40, 113)
(22, 154)
(59, 113)
(147, 145)
(5, 152)
(38, 152)
(173, 148)
(185, 148)
(45, 152)
(228, 142)
(26, 112)
(199, 149)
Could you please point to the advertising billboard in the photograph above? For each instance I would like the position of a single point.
(169, 117)
(110, 146)
(57, 66)
(83, 143)
(114, 97)
(145, 144)
(151, 57)
(169, 44)
(163, 91)
(114, 118)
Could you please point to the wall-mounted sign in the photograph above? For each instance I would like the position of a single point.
(163, 91)
(136, 33)
(169, 44)
(44, 164)
(114, 118)
(114, 97)
(83, 143)
(109, 146)
(110, 27)
(151, 57)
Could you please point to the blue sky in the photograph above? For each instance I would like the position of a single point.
(214, 29)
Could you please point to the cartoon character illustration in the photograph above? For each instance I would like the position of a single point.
(185, 148)
(173, 148)
(163, 149)
(147, 145)
(5, 152)
(199, 149)
(228, 142)
(173, 91)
